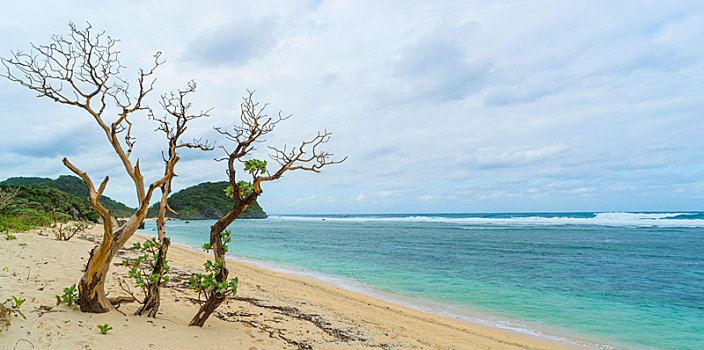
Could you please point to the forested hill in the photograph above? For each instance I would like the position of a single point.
(42, 202)
(71, 185)
(205, 201)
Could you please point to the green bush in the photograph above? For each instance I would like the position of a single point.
(70, 295)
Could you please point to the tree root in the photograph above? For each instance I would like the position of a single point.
(121, 300)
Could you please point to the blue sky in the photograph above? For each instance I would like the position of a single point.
(466, 106)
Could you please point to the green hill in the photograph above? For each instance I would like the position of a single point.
(71, 185)
(21, 181)
(36, 200)
(205, 201)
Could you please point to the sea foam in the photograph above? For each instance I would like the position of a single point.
(625, 219)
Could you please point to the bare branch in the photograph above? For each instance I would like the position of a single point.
(307, 156)
(82, 69)
(94, 198)
(174, 125)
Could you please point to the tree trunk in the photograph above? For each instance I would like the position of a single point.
(91, 288)
(153, 299)
(216, 299)
(206, 309)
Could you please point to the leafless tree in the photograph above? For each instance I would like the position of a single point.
(254, 125)
(83, 70)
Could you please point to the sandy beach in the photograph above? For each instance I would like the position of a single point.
(272, 310)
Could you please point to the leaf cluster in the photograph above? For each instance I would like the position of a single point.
(104, 328)
(206, 284)
(225, 238)
(246, 188)
(142, 266)
(70, 295)
(255, 167)
(17, 302)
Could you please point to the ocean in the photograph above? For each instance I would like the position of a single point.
(623, 280)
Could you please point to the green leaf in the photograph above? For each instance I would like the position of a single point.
(70, 295)
(18, 302)
(104, 328)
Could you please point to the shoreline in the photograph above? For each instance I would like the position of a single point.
(273, 310)
(423, 305)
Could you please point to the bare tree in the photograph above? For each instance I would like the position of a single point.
(174, 125)
(82, 70)
(254, 125)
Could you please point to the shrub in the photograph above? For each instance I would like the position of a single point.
(142, 267)
(70, 295)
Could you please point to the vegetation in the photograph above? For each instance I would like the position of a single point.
(70, 295)
(17, 302)
(73, 186)
(173, 124)
(104, 328)
(65, 232)
(6, 312)
(20, 212)
(146, 273)
(205, 201)
(206, 284)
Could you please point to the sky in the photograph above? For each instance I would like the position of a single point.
(440, 106)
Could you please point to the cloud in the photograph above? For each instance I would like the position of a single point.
(504, 96)
(437, 67)
(489, 157)
(234, 44)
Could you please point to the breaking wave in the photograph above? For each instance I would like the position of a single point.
(628, 219)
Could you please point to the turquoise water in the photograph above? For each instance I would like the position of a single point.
(633, 280)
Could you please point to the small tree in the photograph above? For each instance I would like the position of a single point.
(174, 125)
(254, 125)
(83, 70)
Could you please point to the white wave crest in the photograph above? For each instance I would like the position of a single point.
(623, 219)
